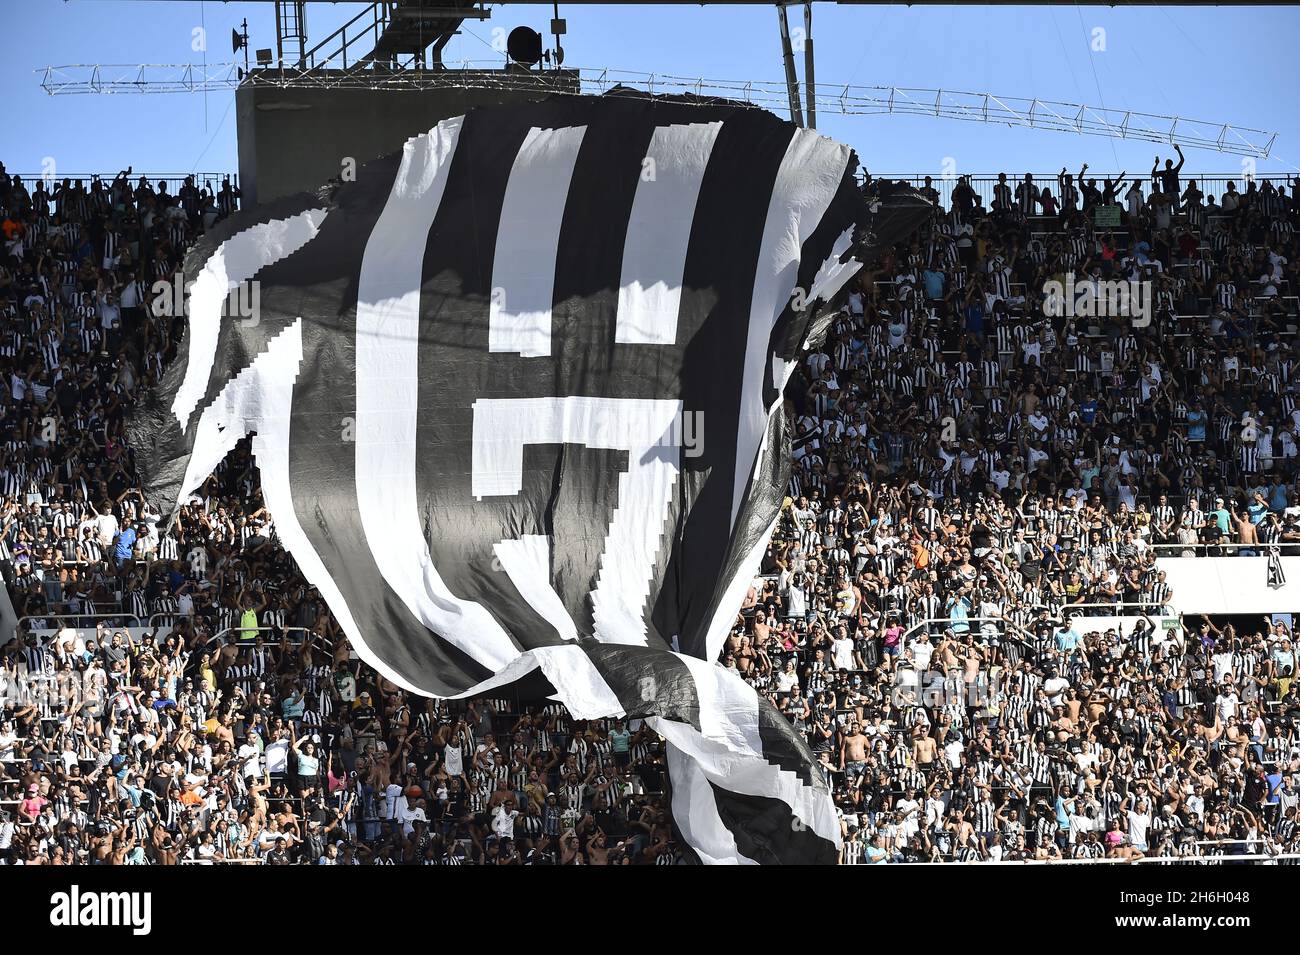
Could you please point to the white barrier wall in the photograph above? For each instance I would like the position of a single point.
(1124, 626)
(1230, 584)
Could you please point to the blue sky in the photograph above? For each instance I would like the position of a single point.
(1226, 64)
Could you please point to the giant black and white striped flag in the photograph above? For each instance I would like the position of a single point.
(515, 400)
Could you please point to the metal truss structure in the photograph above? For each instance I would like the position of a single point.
(833, 99)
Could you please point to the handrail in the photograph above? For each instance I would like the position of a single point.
(79, 616)
(948, 621)
(220, 634)
(1105, 605)
(133, 179)
(379, 12)
(1233, 546)
(237, 860)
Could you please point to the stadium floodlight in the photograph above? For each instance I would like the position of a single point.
(841, 99)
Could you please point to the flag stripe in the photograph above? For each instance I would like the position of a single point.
(810, 175)
(236, 260)
(695, 814)
(323, 458)
(659, 231)
(523, 268)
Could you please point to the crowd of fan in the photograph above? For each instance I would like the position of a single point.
(973, 458)
(988, 459)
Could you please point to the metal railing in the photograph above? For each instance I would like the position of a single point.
(1144, 608)
(218, 639)
(947, 622)
(79, 616)
(983, 183)
(174, 180)
(842, 99)
(238, 860)
(379, 14)
(1289, 549)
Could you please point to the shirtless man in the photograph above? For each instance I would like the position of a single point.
(853, 749)
(924, 750)
(961, 830)
(1245, 528)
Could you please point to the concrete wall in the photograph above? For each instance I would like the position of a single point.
(1230, 585)
(294, 140)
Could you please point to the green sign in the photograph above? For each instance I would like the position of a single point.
(1106, 215)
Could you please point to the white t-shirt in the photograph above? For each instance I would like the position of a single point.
(841, 653)
(411, 815)
(922, 651)
(277, 756)
(1227, 705)
(453, 759)
(106, 526)
(250, 755)
(1222, 665)
(1137, 826)
(503, 822)
(1055, 689)
(953, 753)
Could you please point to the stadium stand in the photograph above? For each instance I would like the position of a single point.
(1054, 384)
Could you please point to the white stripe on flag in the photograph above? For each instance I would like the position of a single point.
(388, 398)
(270, 443)
(8, 618)
(527, 562)
(234, 262)
(830, 278)
(809, 176)
(696, 813)
(659, 231)
(528, 237)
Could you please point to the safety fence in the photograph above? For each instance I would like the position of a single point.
(983, 183)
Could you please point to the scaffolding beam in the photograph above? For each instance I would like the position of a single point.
(846, 100)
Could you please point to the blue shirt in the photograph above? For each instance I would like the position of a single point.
(125, 543)
(958, 614)
(1062, 817)
(1067, 640)
(1088, 411)
(1274, 783)
(933, 283)
(1196, 426)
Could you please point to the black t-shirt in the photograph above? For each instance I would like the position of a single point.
(611, 821)
(651, 774)
(158, 785)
